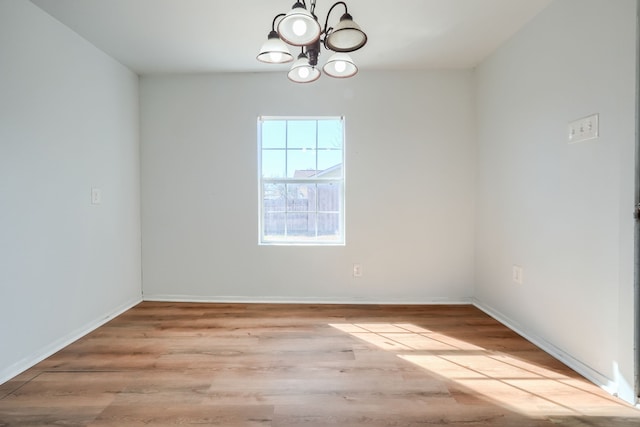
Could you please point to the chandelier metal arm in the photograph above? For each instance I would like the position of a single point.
(273, 24)
(327, 29)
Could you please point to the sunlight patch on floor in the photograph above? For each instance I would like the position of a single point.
(512, 382)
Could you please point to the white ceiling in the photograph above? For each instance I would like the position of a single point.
(187, 36)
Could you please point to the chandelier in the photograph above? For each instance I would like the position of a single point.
(300, 27)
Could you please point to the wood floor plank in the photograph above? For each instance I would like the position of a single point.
(305, 365)
(182, 414)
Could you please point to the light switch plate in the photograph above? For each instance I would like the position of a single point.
(584, 129)
(517, 273)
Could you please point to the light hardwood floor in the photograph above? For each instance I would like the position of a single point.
(305, 365)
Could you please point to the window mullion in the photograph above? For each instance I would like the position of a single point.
(317, 194)
(286, 174)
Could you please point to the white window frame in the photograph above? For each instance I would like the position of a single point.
(339, 181)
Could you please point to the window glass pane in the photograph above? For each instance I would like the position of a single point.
(274, 134)
(274, 197)
(329, 197)
(274, 163)
(301, 224)
(330, 163)
(301, 163)
(274, 226)
(300, 198)
(330, 134)
(301, 134)
(329, 226)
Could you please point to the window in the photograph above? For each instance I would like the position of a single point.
(301, 173)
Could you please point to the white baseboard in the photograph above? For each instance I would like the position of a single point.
(46, 351)
(586, 371)
(303, 300)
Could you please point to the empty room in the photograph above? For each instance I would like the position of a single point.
(319, 213)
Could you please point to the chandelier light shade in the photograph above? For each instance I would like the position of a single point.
(274, 50)
(300, 27)
(340, 65)
(346, 36)
(302, 72)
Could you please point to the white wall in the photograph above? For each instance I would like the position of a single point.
(68, 122)
(409, 191)
(563, 212)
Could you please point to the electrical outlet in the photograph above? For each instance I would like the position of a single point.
(517, 274)
(357, 270)
(584, 129)
(96, 196)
